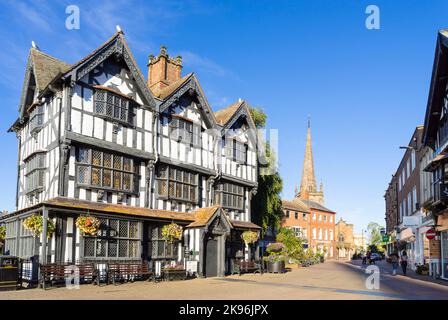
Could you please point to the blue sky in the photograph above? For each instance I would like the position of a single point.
(365, 90)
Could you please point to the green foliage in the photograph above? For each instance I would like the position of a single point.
(375, 237)
(267, 204)
(258, 116)
(293, 245)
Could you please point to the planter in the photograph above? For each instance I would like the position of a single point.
(170, 275)
(276, 267)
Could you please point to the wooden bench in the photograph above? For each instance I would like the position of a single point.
(128, 271)
(240, 267)
(57, 271)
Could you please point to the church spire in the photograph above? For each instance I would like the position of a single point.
(308, 183)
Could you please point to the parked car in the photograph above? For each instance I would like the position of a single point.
(376, 257)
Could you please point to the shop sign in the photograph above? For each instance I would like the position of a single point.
(411, 221)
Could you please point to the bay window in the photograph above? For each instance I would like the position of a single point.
(106, 170)
(35, 172)
(112, 105)
(36, 118)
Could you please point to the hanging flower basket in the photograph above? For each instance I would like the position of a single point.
(249, 237)
(2, 233)
(88, 225)
(172, 232)
(35, 224)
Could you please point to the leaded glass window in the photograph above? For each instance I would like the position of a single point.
(35, 172)
(36, 118)
(176, 183)
(118, 239)
(229, 195)
(184, 130)
(112, 105)
(160, 248)
(235, 150)
(107, 171)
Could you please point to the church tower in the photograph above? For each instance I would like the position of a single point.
(308, 186)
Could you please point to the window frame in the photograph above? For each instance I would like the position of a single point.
(115, 172)
(114, 107)
(223, 194)
(35, 167)
(36, 115)
(177, 183)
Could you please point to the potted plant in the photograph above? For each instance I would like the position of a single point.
(422, 269)
(171, 232)
(174, 272)
(88, 225)
(249, 237)
(35, 224)
(276, 258)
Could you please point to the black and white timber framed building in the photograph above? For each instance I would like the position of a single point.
(97, 138)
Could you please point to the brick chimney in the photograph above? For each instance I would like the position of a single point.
(163, 70)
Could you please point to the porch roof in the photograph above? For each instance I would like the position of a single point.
(198, 218)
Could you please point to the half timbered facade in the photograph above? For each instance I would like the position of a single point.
(97, 138)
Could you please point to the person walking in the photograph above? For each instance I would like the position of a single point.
(368, 256)
(394, 261)
(404, 261)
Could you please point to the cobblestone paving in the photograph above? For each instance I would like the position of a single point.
(331, 280)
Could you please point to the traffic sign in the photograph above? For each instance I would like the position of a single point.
(431, 234)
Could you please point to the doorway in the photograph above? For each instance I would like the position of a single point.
(211, 260)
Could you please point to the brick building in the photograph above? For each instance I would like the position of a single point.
(345, 241)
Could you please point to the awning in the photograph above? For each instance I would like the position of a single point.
(435, 162)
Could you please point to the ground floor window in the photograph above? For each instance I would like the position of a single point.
(117, 239)
(160, 248)
(11, 238)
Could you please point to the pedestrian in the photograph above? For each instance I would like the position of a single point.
(369, 254)
(404, 261)
(364, 259)
(394, 261)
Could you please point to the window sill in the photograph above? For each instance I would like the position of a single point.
(117, 121)
(96, 188)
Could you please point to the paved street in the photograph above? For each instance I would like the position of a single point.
(331, 280)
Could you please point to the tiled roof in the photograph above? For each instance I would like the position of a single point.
(295, 204)
(202, 216)
(167, 91)
(119, 209)
(224, 115)
(46, 68)
(244, 224)
(198, 218)
(315, 205)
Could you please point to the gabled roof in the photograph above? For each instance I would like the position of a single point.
(46, 68)
(173, 92)
(223, 116)
(295, 204)
(118, 46)
(314, 205)
(202, 216)
(169, 90)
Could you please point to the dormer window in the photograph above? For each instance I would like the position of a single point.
(112, 105)
(36, 118)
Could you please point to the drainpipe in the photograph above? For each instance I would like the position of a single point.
(43, 254)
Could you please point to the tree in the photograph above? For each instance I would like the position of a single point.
(375, 238)
(266, 203)
(293, 244)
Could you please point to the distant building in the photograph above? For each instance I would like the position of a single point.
(318, 223)
(345, 242)
(360, 241)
